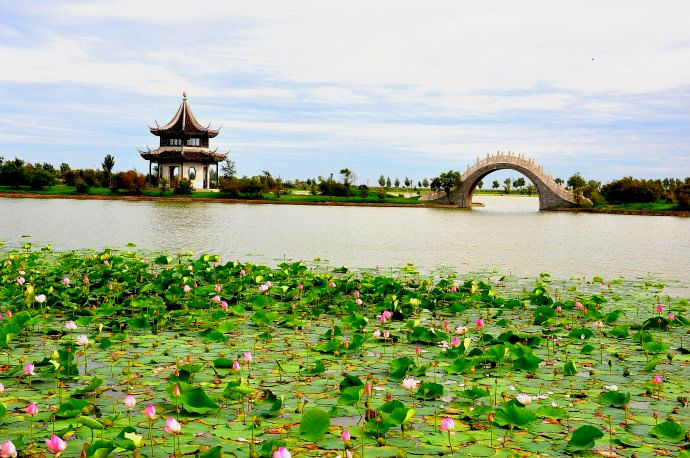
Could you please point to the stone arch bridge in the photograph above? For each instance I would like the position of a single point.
(551, 194)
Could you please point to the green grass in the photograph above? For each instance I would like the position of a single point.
(660, 205)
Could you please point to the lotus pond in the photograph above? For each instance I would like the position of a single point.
(119, 353)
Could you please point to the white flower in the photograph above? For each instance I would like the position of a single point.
(377, 334)
(554, 405)
(40, 298)
(512, 387)
(410, 384)
(611, 387)
(524, 399)
(461, 330)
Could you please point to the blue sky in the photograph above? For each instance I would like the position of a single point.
(304, 88)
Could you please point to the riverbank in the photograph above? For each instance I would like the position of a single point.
(619, 210)
(283, 200)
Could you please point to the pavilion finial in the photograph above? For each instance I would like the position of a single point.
(184, 95)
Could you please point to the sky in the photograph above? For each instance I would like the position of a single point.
(305, 88)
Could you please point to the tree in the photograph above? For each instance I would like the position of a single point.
(388, 183)
(576, 181)
(495, 184)
(229, 168)
(519, 182)
(447, 181)
(397, 182)
(64, 167)
(559, 181)
(382, 181)
(348, 176)
(507, 182)
(408, 182)
(108, 164)
(13, 174)
(480, 184)
(425, 183)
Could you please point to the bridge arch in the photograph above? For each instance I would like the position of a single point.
(551, 194)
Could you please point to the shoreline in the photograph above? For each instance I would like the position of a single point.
(612, 211)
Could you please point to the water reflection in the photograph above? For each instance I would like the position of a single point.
(508, 234)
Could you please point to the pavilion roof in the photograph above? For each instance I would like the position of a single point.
(183, 153)
(185, 122)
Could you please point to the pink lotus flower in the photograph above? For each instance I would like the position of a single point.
(65, 281)
(454, 288)
(83, 340)
(447, 424)
(598, 324)
(21, 281)
(418, 350)
(584, 310)
(242, 273)
(524, 399)
(186, 288)
(367, 389)
(671, 317)
(479, 323)
(376, 334)
(2, 388)
(578, 305)
(29, 369)
(659, 308)
(176, 391)
(32, 409)
(218, 288)
(8, 450)
(86, 280)
(491, 417)
(655, 414)
(559, 309)
(358, 301)
(657, 380)
(110, 285)
(462, 330)
(247, 357)
(445, 324)
(455, 342)
(300, 287)
(150, 412)
(70, 326)
(386, 334)
(172, 426)
(331, 283)
(55, 445)
(216, 298)
(8, 313)
(346, 435)
(356, 293)
(129, 401)
(224, 305)
(282, 452)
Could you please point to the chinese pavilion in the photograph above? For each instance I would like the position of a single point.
(183, 150)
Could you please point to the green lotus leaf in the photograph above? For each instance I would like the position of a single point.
(584, 438)
(315, 423)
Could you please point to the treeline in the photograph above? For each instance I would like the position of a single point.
(628, 190)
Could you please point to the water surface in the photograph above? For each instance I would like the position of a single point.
(509, 234)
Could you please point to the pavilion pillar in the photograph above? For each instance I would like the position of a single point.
(148, 178)
(217, 177)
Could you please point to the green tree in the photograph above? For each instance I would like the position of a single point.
(506, 184)
(576, 181)
(495, 184)
(397, 182)
(382, 181)
(229, 168)
(446, 182)
(408, 182)
(519, 182)
(559, 181)
(480, 184)
(388, 183)
(425, 183)
(108, 164)
(348, 176)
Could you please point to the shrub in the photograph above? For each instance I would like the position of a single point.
(164, 185)
(363, 191)
(82, 186)
(682, 195)
(40, 178)
(381, 195)
(632, 190)
(184, 187)
(13, 174)
(230, 186)
(131, 181)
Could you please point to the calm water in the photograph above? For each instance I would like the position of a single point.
(508, 234)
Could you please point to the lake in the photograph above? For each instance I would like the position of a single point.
(509, 235)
